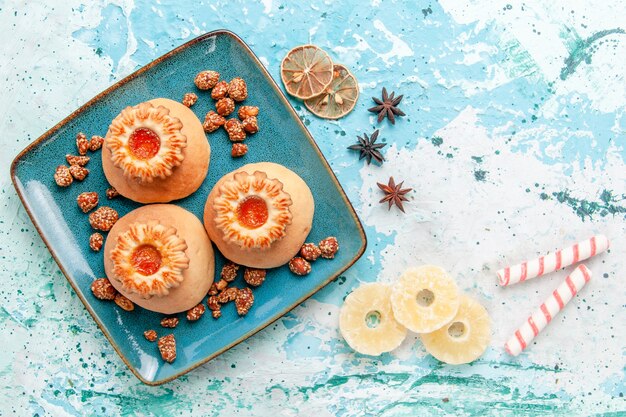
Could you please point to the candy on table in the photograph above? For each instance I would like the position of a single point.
(540, 318)
(553, 261)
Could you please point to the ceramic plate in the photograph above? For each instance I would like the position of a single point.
(282, 139)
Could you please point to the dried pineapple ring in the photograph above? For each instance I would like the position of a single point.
(339, 98)
(425, 298)
(366, 320)
(465, 338)
(306, 71)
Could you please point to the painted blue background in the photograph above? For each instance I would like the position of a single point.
(513, 141)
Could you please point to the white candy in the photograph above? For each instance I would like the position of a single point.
(553, 261)
(540, 318)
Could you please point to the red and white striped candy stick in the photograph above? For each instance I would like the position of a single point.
(548, 310)
(553, 261)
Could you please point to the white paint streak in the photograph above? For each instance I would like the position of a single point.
(544, 30)
(399, 48)
(472, 228)
(267, 6)
(126, 64)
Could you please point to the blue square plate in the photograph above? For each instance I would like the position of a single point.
(282, 139)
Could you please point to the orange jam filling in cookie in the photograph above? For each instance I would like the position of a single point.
(144, 143)
(149, 259)
(252, 210)
(146, 259)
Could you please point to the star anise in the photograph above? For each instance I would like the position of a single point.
(394, 194)
(369, 148)
(387, 107)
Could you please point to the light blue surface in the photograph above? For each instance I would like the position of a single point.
(513, 141)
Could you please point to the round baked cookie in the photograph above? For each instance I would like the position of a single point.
(259, 215)
(156, 152)
(160, 257)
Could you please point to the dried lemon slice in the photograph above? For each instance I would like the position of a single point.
(306, 71)
(425, 298)
(366, 320)
(339, 98)
(465, 338)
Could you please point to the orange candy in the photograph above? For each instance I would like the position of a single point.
(252, 212)
(146, 260)
(144, 143)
